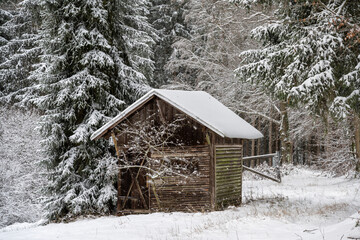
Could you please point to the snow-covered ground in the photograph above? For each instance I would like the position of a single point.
(305, 205)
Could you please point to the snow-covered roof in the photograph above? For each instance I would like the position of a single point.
(199, 105)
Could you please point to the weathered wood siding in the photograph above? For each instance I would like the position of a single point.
(218, 180)
(177, 193)
(190, 132)
(228, 175)
(226, 141)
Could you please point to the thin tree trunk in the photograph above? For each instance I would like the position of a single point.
(270, 142)
(357, 143)
(270, 137)
(318, 148)
(252, 162)
(284, 135)
(258, 145)
(307, 149)
(276, 139)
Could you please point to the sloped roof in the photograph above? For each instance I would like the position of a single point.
(199, 105)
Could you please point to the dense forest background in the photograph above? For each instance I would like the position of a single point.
(290, 68)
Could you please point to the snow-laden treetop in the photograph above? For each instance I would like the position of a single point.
(199, 105)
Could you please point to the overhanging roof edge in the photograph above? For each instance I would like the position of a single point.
(101, 131)
(147, 97)
(190, 114)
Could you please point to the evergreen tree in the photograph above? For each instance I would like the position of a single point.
(5, 16)
(97, 59)
(310, 55)
(167, 17)
(19, 52)
(306, 55)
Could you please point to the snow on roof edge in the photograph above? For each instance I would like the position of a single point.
(98, 133)
(199, 117)
(101, 131)
(190, 114)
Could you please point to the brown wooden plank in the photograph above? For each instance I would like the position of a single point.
(229, 181)
(220, 157)
(226, 170)
(262, 174)
(229, 146)
(228, 188)
(223, 196)
(179, 154)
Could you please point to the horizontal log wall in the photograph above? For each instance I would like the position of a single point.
(177, 193)
(228, 175)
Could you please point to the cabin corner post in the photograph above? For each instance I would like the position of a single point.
(213, 169)
(210, 139)
(118, 203)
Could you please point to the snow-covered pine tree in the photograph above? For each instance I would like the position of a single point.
(5, 16)
(20, 50)
(306, 55)
(167, 17)
(97, 59)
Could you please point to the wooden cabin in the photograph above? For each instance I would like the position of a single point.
(209, 137)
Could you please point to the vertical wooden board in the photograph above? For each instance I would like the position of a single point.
(213, 174)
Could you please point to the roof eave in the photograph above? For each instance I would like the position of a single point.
(116, 120)
(217, 131)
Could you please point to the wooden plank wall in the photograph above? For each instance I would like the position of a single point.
(227, 141)
(196, 193)
(190, 132)
(177, 193)
(228, 175)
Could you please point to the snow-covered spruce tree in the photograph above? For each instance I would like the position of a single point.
(6, 15)
(167, 17)
(306, 55)
(20, 51)
(96, 60)
(206, 61)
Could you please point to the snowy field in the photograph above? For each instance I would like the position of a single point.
(306, 205)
